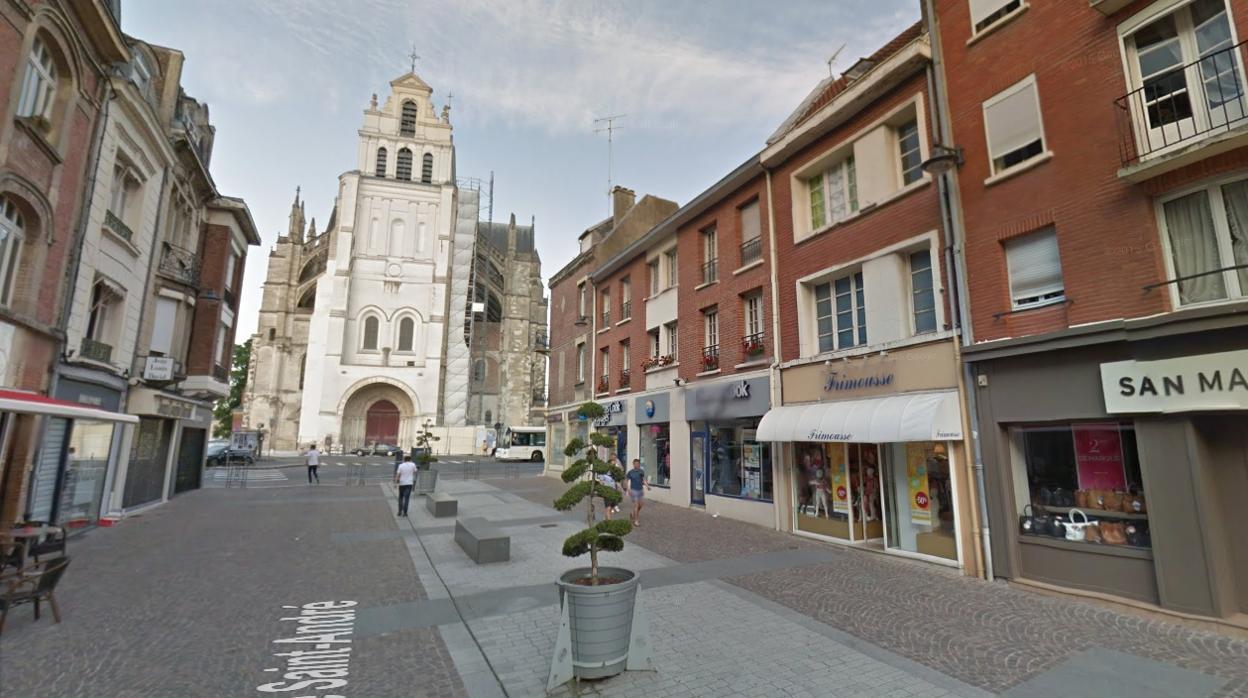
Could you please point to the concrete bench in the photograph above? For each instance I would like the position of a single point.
(483, 541)
(441, 504)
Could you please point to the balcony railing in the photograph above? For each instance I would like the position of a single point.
(753, 346)
(118, 226)
(710, 358)
(606, 318)
(230, 299)
(751, 251)
(179, 263)
(96, 350)
(626, 310)
(1183, 105)
(604, 384)
(710, 271)
(221, 373)
(624, 378)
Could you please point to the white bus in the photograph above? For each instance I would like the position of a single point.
(523, 443)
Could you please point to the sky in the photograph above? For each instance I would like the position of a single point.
(700, 84)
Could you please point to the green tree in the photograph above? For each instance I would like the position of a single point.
(602, 535)
(223, 412)
(424, 441)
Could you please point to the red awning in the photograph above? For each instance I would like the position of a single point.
(33, 403)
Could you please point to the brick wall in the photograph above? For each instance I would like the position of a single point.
(727, 292)
(1106, 226)
(564, 333)
(214, 253)
(632, 331)
(902, 218)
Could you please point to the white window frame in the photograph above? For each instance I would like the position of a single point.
(1130, 67)
(857, 312)
(655, 338)
(12, 238)
(710, 322)
(624, 358)
(582, 299)
(673, 344)
(581, 368)
(848, 169)
(751, 208)
(932, 274)
(1044, 154)
(754, 315)
(669, 260)
(902, 153)
(38, 92)
(999, 19)
(1217, 208)
(606, 307)
(1039, 303)
(626, 298)
(605, 353)
(364, 333)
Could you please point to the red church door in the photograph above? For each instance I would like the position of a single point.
(382, 423)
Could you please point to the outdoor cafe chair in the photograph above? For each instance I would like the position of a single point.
(33, 586)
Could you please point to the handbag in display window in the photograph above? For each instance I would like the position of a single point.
(1057, 527)
(1082, 497)
(1092, 534)
(1063, 498)
(1114, 532)
(1078, 530)
(1133, 502)
(1138, 536)
(1096, 499)
(1030, 523)
(1114, 500)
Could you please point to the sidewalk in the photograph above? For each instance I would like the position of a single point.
(188, 600)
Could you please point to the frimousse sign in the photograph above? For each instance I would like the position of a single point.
(1184, 384)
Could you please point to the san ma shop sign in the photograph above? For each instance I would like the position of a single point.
(1183, 384)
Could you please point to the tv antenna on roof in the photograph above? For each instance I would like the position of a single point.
(833, 59)
(610, 128)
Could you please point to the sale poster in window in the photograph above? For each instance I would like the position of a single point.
(840, 478)
(916, 476)
(1098, 457)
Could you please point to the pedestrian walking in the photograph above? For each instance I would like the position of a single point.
(313, 458)
(637, 485)
(405, 478)
(606, 480)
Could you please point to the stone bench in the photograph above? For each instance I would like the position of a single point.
(482, 540)
(441, 504)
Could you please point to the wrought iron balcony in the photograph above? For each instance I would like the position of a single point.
(95, 350)
(751, 251)
(710, 271)
(1183, 106)
(624, 378)
(626, 310)
(221, 373)
(753, 346)
(604, 384)
(115, 224)
(710, 358)
(179, 264)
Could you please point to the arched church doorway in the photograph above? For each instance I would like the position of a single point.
(381, 424)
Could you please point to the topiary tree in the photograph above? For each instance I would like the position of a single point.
(424, 441)
(584, 471)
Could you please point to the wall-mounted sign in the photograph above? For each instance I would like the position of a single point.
(652, 409)
(728, 400)
(614, 415)
(174, 408)
(158, 368)
(1183, 384)
(1098, 457)
(841, 381)
(741, 390)
(924, 367)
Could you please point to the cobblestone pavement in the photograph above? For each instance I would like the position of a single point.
(184, 601)
(993, 636)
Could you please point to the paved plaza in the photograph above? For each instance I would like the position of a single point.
(189, 600)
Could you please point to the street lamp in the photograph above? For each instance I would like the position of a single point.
(944, 158)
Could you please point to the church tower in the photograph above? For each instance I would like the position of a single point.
(375, 336)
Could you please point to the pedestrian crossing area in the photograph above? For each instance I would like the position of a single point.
(252, 475)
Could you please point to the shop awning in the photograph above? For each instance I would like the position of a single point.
(33, 403)
(895, 418)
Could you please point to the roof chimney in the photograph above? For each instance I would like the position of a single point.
(622, 199)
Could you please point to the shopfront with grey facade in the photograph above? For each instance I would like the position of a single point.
(614, 423)
(654, 437)
(726, 460)
(1143, 432)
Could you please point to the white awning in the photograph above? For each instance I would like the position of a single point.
(891, 419)
(31, 403)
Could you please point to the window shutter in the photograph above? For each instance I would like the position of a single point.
(750, 225)
(1013, 122)
(981, 9)
(47, 467)
(166, 321)
(1035, 266)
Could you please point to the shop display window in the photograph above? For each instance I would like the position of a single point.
(1091, 467)
(838, 490)
(737, 464)
(559, 439)
(656, 453)
(919, 499)
(86, 466)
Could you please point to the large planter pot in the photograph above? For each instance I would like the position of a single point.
(601, 619)
(426, 481)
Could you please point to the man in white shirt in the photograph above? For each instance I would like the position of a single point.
(405, 478)
(313, 459)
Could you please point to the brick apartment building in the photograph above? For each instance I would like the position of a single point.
(1103, 178)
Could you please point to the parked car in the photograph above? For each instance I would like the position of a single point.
(219, 452)
(388, 450)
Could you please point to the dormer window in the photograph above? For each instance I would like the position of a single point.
(407, 120)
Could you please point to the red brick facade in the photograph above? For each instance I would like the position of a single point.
(624, 333)
(214, 254)
(1106, 226)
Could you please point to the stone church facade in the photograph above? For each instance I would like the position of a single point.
(354, 342)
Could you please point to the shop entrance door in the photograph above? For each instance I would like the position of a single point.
(918, 499)
(697, 468)
(190, 460)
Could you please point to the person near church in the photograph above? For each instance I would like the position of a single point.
(405, 478)
(313, 458)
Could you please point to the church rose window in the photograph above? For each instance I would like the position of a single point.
(403, 169)
(381, 162)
